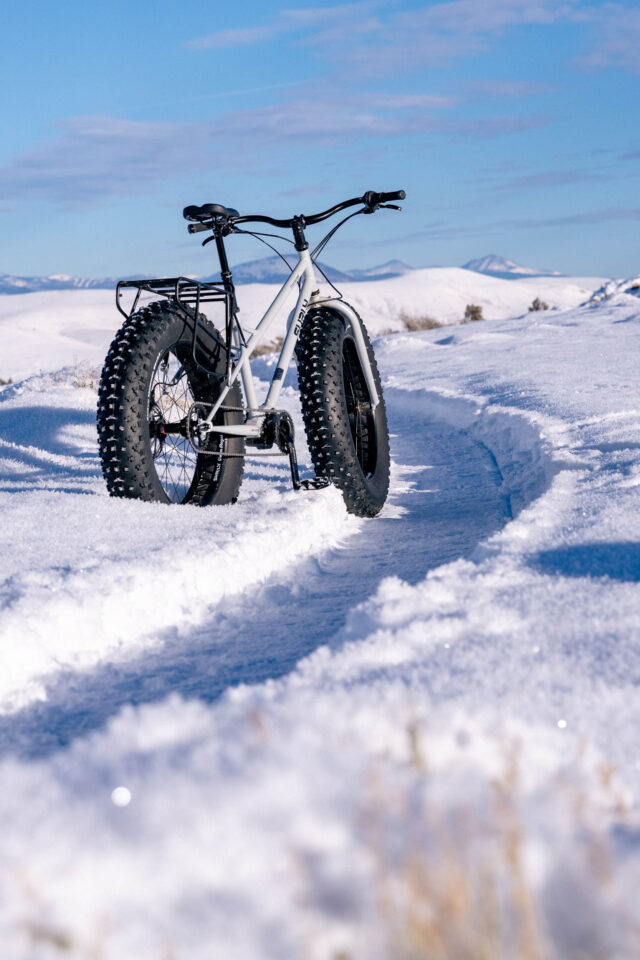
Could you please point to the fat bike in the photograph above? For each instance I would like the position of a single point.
(178, 411)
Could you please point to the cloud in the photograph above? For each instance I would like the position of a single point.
(97, 157)
(550, 178)
(94, 158)
(488, 127)
(426, 101)
(375, 36)
(239, 37)
(334, 118)
(617, 32)
(290, 21)
(503, 89)
(576, 219)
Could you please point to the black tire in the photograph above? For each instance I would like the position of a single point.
(348, 441)
(138, 399)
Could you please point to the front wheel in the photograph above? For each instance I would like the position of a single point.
(348, 439)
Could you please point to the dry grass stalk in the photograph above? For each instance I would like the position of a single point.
(413, 323)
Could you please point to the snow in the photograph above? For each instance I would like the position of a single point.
(336, 737)
(48, 330)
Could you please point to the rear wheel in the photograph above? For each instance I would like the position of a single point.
(152, 393)
(348, 439)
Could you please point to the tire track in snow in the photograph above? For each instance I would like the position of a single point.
(445, 498)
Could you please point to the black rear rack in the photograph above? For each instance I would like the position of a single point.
(183, 291)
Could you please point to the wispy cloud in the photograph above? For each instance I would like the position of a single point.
(97, 157)
(424, 101)
(93, 158)
(238, 37)
(575, 219)
(508, 89)
(550, 178)
(376, 36)
(291, 21)
(616, 29)
(489, 127)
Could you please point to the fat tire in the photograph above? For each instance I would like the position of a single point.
(328, 366)
(123, 406)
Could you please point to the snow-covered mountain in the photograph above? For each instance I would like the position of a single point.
(273, 270)
(495, 266)
(58, 281)
(392, 268)
(265, 270)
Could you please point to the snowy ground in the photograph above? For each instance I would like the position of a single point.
(46, 331)
(407, 737)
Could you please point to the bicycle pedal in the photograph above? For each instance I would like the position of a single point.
(316, 483)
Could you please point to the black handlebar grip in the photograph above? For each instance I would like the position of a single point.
(394, 195)
(198, 227)
(372, 199)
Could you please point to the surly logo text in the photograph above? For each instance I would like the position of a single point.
(300, 317)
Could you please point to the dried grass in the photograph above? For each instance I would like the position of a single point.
(425, 322)
(472, 313)
(265, 348)
(452, 879)
(538, 304)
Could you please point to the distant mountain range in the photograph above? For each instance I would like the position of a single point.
(267, 270)
(11, 284)
(273, 270)
(494, 266)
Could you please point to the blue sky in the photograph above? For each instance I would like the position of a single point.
(511, 124)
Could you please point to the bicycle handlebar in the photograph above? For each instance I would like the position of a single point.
(371, 200)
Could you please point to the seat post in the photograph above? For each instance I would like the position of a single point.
(225, 273)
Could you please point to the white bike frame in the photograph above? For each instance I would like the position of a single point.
(308, 296)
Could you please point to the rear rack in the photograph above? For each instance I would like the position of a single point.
(183, 291)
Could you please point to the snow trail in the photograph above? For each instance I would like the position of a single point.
(446, 497)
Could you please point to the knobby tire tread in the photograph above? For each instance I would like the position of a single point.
(122, 415)
(320, 376)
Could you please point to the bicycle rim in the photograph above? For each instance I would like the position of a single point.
(171, 397)
(359, 410)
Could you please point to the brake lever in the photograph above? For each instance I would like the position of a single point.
(381, 206)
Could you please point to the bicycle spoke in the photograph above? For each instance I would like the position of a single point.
(171, 397)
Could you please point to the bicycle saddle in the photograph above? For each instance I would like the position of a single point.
(209, 211)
